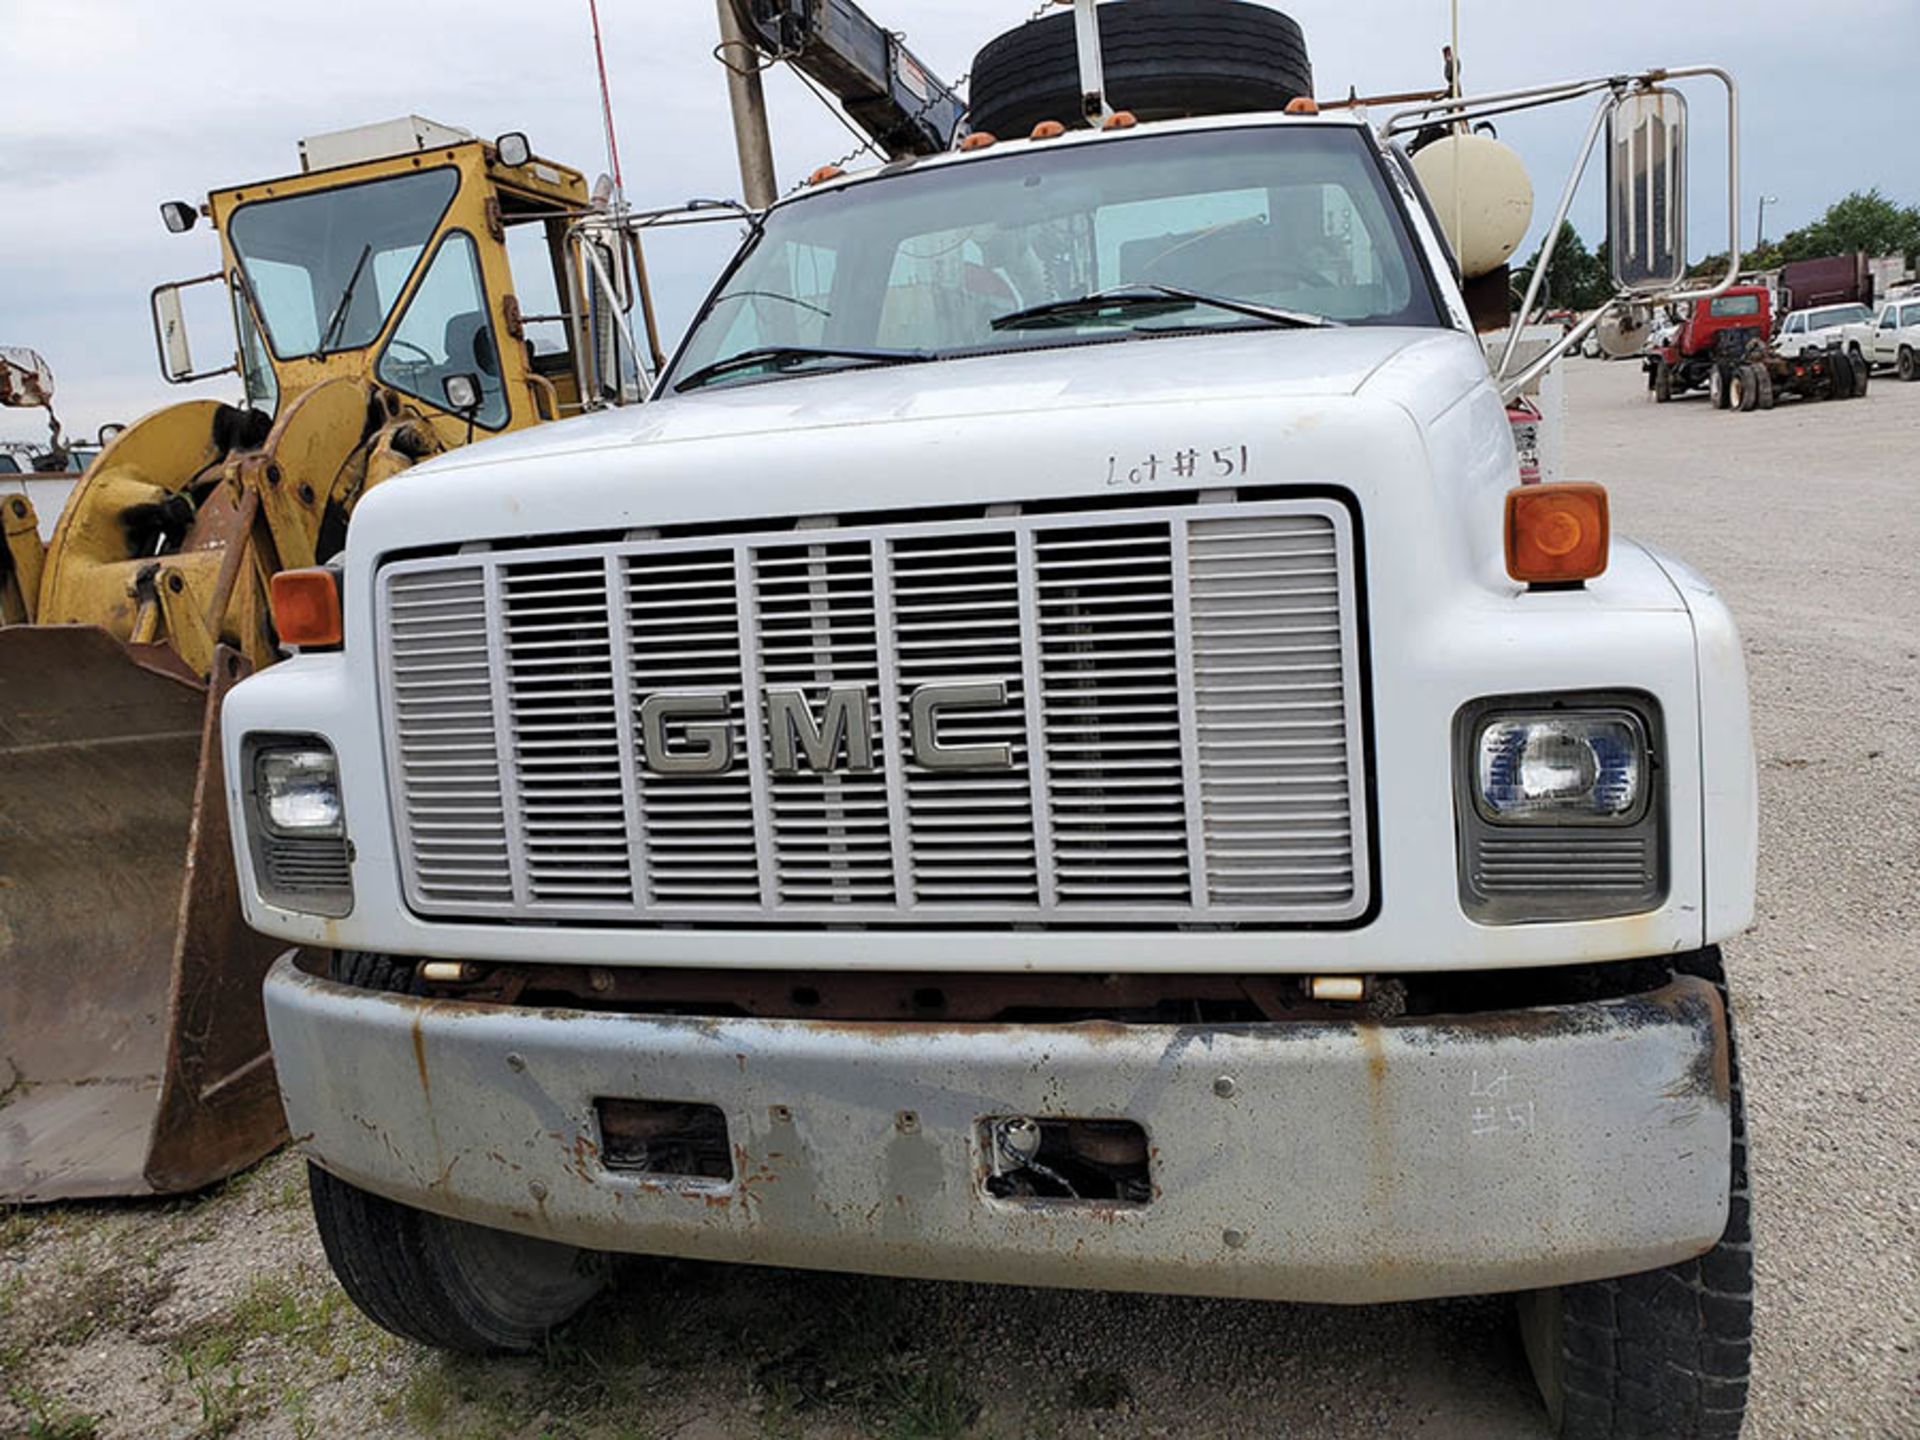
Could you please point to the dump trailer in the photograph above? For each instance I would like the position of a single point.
(377, 322)
(1054, 749)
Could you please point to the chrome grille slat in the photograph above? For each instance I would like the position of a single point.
(1181, 708)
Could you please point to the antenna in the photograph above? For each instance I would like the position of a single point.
(606, 104)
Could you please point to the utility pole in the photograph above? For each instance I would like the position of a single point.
(750, 138)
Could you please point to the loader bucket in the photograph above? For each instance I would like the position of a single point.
(133, 1051)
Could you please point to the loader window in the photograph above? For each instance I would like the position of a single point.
(329, 266)
(446, 331)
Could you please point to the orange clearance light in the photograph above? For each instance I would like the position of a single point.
(824, 174)
(1303, 105)
(1557, 534)
(979, 140)
(1120, 120)
(1048, 130)
(306, 607)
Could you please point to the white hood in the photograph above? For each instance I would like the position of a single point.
(1253, 366)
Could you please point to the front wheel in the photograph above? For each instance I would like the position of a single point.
(1662, 383)
(1717, 388)
(1663, 1353)
(444, 1282)
(1909, 369)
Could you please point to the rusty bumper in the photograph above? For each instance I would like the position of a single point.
(1314, 1162)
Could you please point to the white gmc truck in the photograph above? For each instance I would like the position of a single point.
(1052, 750)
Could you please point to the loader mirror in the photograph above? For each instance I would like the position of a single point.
(462, 392)
(108, 433)
(179, 216)
(170, 325)
(512, 148)
(1647, 191)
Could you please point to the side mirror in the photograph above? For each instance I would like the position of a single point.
(179, 215)
(513, 149)
(170, 325)
(170, 328)
(108, 433)
(462, 393)
(1647, 191)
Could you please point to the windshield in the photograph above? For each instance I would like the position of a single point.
(1838, 315)
(328, 267)
(1729, 306)
(1296, 218)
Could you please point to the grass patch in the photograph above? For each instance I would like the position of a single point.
(51, 1419)
(17, 1226)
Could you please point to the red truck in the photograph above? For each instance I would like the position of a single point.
(1726, 345)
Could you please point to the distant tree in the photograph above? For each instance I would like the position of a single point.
(1865, 220)
(1578, 278)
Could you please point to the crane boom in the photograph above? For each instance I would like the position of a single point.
(904, 108)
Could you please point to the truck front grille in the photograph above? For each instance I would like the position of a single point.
(1157, 714)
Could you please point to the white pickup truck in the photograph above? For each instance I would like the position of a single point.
(1028, 760)
(1805, 331)
(1894, 337)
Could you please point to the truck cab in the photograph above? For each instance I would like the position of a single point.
(1893, 338)
(1055, 749)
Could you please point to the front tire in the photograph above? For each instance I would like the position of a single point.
(1909, 369)
(1662, 383)
(1666, 1353)
(446, 1283)
(442, 1282)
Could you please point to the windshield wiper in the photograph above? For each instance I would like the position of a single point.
(1124, 301)
(785, 357)
(339, 316)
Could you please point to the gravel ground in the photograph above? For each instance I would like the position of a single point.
(216, 1316)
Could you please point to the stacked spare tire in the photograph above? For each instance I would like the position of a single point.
(1163, 59)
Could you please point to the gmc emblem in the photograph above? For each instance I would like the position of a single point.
(688, 732)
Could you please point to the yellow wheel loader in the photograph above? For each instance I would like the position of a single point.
(378, 322)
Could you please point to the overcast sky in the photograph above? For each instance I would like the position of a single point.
(109, 107)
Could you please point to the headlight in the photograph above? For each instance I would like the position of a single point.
(296, 825)
(299, 791)
(1559, 809)
(1562, 768)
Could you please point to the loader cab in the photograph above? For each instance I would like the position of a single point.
(435, 270)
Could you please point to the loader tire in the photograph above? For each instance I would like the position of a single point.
(447, 1283)
(1766, 387)
(1743, 390)
(1862, 373)
(1161, 58)
(1666, 1353)
(1841, 369)
(1909, 368)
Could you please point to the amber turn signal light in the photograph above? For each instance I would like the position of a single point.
(1557, 534)
(306, 607)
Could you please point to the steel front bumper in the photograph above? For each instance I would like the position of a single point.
(1301, 1162)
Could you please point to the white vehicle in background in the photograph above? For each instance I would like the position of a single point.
(1894, 337)
(1805, 331)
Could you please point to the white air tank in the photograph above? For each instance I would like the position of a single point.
(1481, 192)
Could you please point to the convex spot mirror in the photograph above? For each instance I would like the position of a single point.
(1647, 191)
(179, 216)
